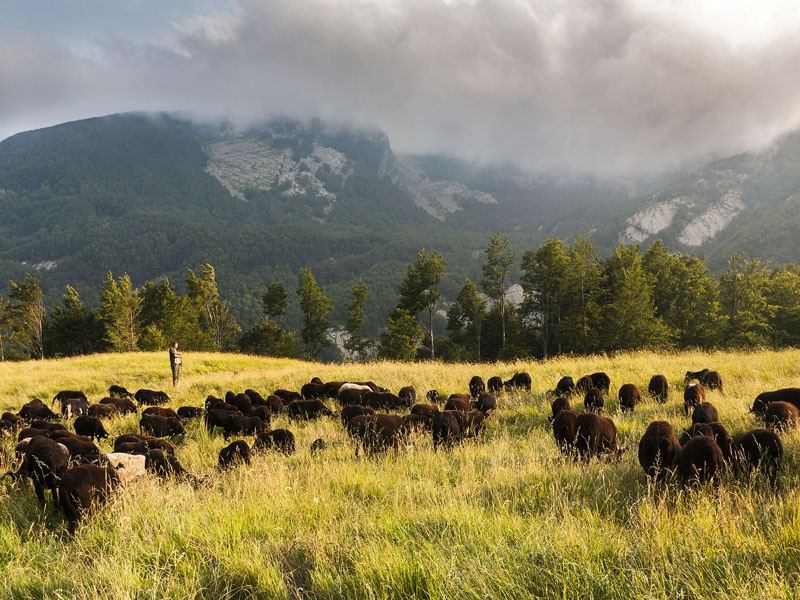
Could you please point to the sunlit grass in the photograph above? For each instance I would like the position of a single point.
(507, 517)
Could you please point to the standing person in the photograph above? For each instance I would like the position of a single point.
(175, 362)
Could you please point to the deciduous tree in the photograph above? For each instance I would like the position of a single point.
(419, 291)
(499, 259)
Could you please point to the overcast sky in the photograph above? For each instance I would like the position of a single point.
(615, 88)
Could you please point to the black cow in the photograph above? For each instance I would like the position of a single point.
(594, 435)
(313, 391)
(781, 415)
(286, 396)
(723, 438)
(712, 380)
(142, 446)
(695, 375)
(166, 465)
(44, 462)
(277, 439)
(495, 384)
(217, 418)
(476, 386)
(601, 381)
(433, 396)
(759, 448)
(473, 422)
(117, 391)
(559, 404)
(160, 411)
(700, 460)
(306, 410)
(73, 403)
(235, 452)
(583, 385)
(121, 405)
(243, 403)
(446, 430)
(629, 397)
(241, 425)
(255, 398)
(90, 427)
(385, 401)
(520, 381)
(693, 395)
(412, 423)
(564, 424)
(101, 410)
(486, 403)
(658, 450)
(694, 430)
(565, 386)
(80, 451)
(36, 409)
(84, 487)
(46, 425)
(318, 445)
(190, 412)
(354, 410)
(424, 409)
(376, 433)
(161, 426)
(276, 404)
(593, 401)
(790, 395)
(658, 388)
(10, 422)
(351, 396)
(408, 393)
(151, 397)
(704, 413)
(458, 402)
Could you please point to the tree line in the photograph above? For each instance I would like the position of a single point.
(573, 301)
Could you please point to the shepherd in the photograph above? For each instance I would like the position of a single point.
(175, 362)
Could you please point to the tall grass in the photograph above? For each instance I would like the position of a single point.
(506, 517)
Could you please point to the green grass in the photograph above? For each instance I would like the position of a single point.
(507, 517)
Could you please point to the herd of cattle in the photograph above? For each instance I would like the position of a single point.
(79, 475)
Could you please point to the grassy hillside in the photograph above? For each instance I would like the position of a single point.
(503, 518)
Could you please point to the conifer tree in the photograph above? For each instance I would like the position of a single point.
(355, 342)
(316, 307)
(499, 259)
(120, 307)
(27, 312)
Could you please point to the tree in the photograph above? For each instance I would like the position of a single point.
(629, 313)
(167, 317)
(499, 258)
(543, 284)
(120, 307)
(465, 317)
(583, 283)
(275, 301)
(419, 291)
(267, 338)
(743, 300)
(316, 307)
(216, 319)
(402, 337)
(72, 329)
(5, 326)
(783, 296)
(27, 313)
(355, 343)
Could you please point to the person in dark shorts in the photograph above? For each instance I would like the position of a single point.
(175, 362)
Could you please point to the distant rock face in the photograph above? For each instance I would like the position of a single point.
(650, 221)
(710, 223)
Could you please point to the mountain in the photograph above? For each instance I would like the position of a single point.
(747, 202)
(155, 195)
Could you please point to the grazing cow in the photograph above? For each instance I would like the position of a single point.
(313, 391)
(354, 410)
(151, 442)
(121, 405)
(84, 487)
(414, 422)
(593, 401)
(61, 433)
(359, 387)
(408, 393)
(316, 380)
(143, 447)
(44, 462)
(495, 384)
(90, 427)
(446, 430)
(564, 424)
(318, 445)
(759, 448)
(595, 434)
(559, 404)
(700, 460)
(35, 409)
(476, 386)
(73, 403)
(161, 426)
(47, 426)
(486, 403)
(520, 381)
(424, 409)
(458, 402)
(658, 450)
(127, 466)
(151, 397)
(217, 418)
(433, 396)
(276, 404)
(256, 399)
(242, 402)
(698, 375)
(165, 465)
(241, 425)
(704, 413)
(277, 439)
(190, 412)
(790, 395)
(472, 422)
(583, 385)
(332, 388)
(233, 453)
(101, 410)
(351, 396)
(376, 433)
(79, 450)
(780, 416)
(565, 386)
(213, 403)
(286, 396)
(30, 432)
(117, 391)
(695, 430)
(712, 380)
(723, 438)
(307, 410)
(10, 422)
(658, 388)
(385, 401)
(263, 413)
(693, 395)
(160, 411)
(629, 397)
(601, 381)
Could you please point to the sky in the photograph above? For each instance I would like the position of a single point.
(617, 89)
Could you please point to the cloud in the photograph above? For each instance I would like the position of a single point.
(614, 88)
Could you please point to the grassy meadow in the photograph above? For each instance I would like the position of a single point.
(505, 517)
